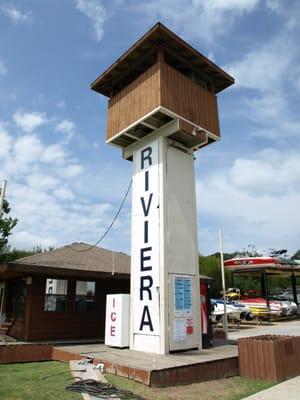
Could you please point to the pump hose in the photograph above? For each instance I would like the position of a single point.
(103, 390)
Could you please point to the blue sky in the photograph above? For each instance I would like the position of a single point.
(65, 184)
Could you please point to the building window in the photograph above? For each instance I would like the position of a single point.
(190, 73)
(56, 295)
(85, 296)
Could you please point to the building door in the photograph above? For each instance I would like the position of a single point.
(207, 337)
(15, 299)
(11, 298)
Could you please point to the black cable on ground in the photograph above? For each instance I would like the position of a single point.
(61, 373)
(110, 226)
(103, 390)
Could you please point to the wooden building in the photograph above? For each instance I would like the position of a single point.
(61, 294)
(162, 82)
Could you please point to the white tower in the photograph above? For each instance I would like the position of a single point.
(162, 108)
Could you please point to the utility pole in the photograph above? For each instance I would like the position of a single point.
(225, 325)
(2, 195)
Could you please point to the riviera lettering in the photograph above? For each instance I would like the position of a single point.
(146, 281)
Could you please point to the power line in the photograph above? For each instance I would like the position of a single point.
(109, 227)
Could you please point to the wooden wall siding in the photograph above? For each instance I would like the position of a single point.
(162, 85)
(269, 357)
(48, 325)
(18, 330)
(182, 375)
(201, 372)
(25, 353)
(136, 100)
(189, 100)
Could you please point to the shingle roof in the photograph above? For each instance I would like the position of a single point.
(72, 257)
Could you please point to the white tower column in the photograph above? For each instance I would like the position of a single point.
(165, 299)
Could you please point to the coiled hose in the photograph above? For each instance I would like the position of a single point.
(103, 390)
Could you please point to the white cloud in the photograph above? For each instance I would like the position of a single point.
(96, 12)
(274, 5)
(289, 11)
(255, 200)
(3, 68)
(43, 181)
(27, 240)
(272, 81)
(63, 193)
(5, 142)
(246, 5)
(28, 149)
(67, 128)
(261, 68)
(54, 153)
(28, 121)
(198, 18)
(16, 15)
(46, 213)
(61, 104)
(270, 172)
(211, 57)
(292, 22)
(271, 116)
(297, 83)
(71, 171)
(266, 107)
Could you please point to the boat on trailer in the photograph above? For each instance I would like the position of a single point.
(258, 305)
(253, 263)
(235, 310)
(260, 263)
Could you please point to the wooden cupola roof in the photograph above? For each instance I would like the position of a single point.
(143, 54)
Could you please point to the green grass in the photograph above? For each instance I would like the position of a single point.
(235, 388)
(36, 381)
(47, 381)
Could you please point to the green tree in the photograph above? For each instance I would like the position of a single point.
(7, 224)
(14, 254)
(211, 266)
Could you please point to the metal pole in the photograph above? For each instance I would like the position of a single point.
(232, 280)
(266, 289)
(225, 325)
(294, 287)
(2, 195)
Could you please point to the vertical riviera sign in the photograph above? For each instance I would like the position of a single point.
(145, 248)
(165, 306)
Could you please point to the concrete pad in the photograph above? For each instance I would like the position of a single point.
(289, 390)
(273, 328)
(82, 370)
(149, 361)
(161, 370)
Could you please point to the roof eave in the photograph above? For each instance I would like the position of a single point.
(61, 271)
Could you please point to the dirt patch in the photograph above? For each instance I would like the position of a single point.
(222, 389)
(213, 390)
